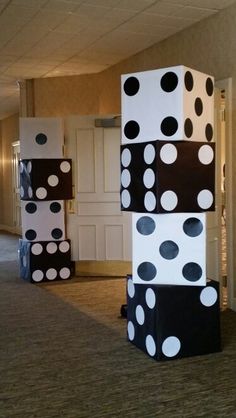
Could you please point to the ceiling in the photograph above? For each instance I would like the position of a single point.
(50, 38)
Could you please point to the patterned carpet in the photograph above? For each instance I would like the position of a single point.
(63, 353)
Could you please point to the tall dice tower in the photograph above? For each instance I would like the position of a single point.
(45, 182)
(167, 180)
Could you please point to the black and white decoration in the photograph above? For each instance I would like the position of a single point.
(162, 256)
(43, 220)
(41, 137)
(45, 179)
(174, 103)
(171, 177)
(170, 322)
(45, 260)
(168, 182)
(45, 182)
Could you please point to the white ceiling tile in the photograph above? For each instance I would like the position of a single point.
(164, 8)
(209, 4)
(62, 6)
(46, 18)
(135, 5)
(93, 12)
(104, 3)
(118, 16)
(194, 13)
(33, 4)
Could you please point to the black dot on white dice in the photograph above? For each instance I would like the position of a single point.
(30, 234)
(188, 128)
(169, 81)
(192, 272)
(41, 138)
(188, 80)
(55, 207)
(31, 207)
(145, 225)
(147, 271)
(131, 86)
(209, 86)
(169, 248)
(175, 103)
(169, 126)
(198, 105)
(193, 227)
(209, 132)
(131, 129)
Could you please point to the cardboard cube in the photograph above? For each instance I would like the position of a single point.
(169, 322)
(46, 179)
(45, 260)
(169, 249)
(41, 138)
(166, 177)
(175, 103)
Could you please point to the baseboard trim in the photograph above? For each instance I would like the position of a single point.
(233, 303)
(10, 229)
(102, 268)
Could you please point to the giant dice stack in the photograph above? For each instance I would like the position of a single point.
(167, 181)
(45, 182)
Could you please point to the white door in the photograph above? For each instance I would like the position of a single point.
(16, 187)
(98, 229)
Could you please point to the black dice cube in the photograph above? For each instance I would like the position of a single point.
(45, 260)
(46, 179)
(165, 177)
(168, 322)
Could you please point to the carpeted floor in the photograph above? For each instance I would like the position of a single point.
(63, 353)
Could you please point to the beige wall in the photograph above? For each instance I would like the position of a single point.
(9, 132)
(1, 179)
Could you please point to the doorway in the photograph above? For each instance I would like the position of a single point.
(225, 163)
(16, 187)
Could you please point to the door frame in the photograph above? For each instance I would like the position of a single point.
(226, 84)
(15, 190)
